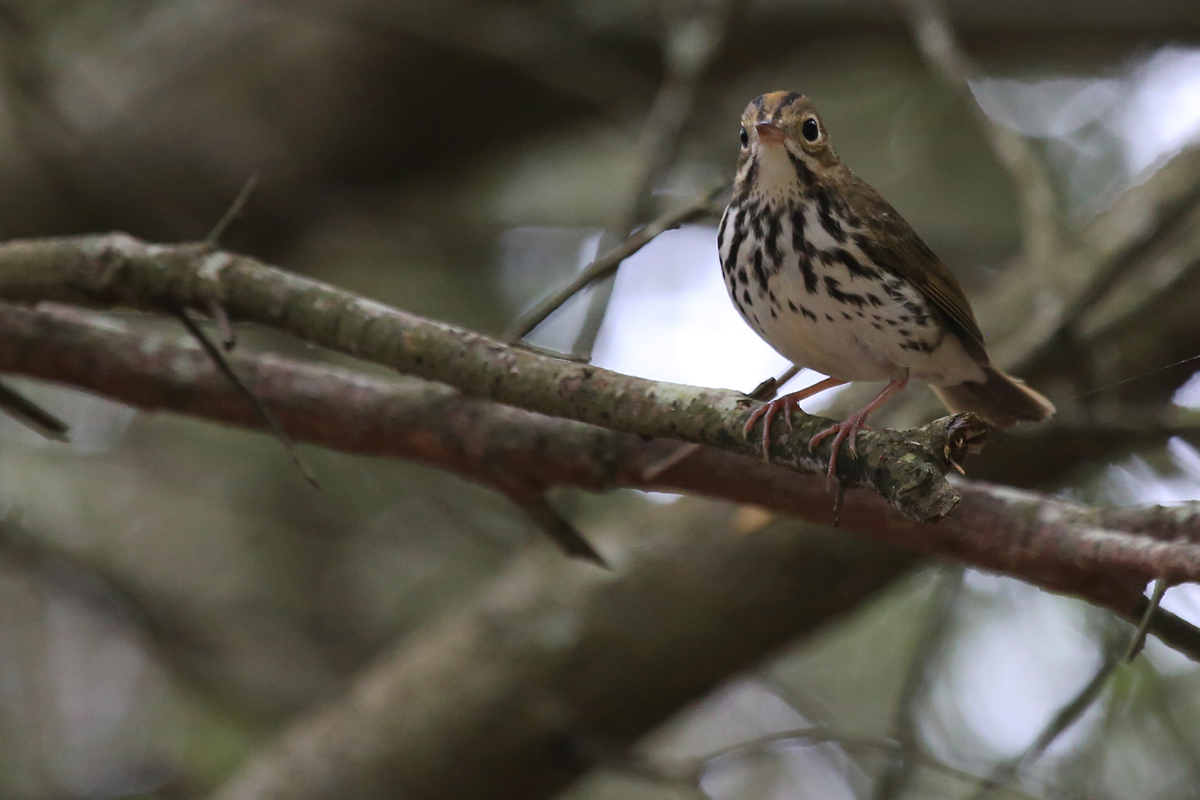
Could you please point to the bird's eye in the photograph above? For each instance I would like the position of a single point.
(810, 129)
(745, 137)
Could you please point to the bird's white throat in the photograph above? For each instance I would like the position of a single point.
(776, 176)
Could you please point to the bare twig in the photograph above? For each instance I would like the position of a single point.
(1139, 636)
(261, 407)
(607, 264)
(822, 735)
(234, 212)
(30, 414)
(215, 310)
(556, 526)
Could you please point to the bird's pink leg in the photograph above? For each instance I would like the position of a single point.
(855, 423)
(786, 404)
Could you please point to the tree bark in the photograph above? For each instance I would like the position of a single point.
(1104, 555)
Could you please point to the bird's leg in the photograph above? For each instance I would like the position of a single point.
(855, 423)
(767, 411)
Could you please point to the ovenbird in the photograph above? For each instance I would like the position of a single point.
(826, 271)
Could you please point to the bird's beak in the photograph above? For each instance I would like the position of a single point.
(769, 133)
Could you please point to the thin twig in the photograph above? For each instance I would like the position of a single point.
(817, 735)
(689, 45)
(31, 415)
(607, 264)
(234, 212)
(218, 358)
(221, 317)
(1139, 636)
(557, 527)
(231, 215)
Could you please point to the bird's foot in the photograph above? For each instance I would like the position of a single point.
(766, 412)
(788, 403)
(841, 432)
(854, 423)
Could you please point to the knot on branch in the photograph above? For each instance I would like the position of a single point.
(908, 468)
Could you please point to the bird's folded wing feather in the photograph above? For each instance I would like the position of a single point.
(902, 251)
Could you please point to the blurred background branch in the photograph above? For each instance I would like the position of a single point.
(489, 702)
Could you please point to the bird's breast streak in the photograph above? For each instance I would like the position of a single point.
(822, 303)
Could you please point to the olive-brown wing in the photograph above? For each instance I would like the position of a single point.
(897, 247)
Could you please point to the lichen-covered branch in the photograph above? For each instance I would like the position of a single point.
(906, 467)
(1104, 555)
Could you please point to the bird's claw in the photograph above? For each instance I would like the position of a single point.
(766, 412)
(841, 432)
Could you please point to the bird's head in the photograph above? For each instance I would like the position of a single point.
(785, 148)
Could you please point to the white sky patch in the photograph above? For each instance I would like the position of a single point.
(669, 319)
(1105, 133)
(1025, 654)
(1135, 482)
(1163, 114)
(672, 320)
(1188, 395)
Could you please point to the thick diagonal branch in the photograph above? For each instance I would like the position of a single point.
(1104, 555)
(906, 467)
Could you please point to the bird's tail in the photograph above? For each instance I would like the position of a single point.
(1001, 400)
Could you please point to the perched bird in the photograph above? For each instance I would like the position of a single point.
(826, 271)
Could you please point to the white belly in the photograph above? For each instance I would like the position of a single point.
(836, 312)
